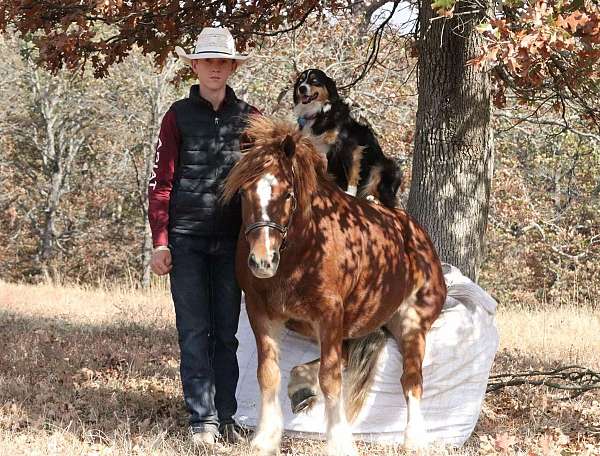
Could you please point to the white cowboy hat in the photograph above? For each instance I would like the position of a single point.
(212, 43)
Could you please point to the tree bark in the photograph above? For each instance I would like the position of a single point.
(147, 236)
(453, 157)
(146, 256)
(49, 229)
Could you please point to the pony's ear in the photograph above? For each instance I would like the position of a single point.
(288, 145)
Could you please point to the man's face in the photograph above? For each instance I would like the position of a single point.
(213, 73)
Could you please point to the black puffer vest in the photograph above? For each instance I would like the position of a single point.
(210, 146)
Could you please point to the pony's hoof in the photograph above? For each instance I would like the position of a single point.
(342, 449)
(415, 438)
(264, 445)
(259, 452)
(303, 400)
(340, 441)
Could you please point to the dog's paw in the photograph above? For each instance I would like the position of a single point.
(372, 199)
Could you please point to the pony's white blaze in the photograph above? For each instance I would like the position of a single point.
(264, 188)
(415, 435)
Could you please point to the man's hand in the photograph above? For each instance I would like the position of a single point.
(160, 263)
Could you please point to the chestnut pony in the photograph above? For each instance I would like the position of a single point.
(338, 266)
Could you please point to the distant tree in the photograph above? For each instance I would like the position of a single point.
(138, 97)
(52, 129)
(545, 212)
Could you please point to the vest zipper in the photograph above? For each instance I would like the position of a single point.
(216, 121)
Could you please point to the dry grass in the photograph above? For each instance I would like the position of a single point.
(567, 334)
(95, 372)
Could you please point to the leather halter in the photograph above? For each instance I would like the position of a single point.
(283, 229)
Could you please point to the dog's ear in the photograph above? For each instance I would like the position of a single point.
(331, 88)
(299, 78)
(288, 145)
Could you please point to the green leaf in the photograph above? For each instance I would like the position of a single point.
(443, 4)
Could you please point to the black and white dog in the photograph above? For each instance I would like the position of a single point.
(354, 156)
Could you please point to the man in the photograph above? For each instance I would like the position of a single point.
(195, 237)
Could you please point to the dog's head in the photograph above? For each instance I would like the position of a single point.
(312, 91)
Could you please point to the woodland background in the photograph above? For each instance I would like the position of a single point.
(75, 155)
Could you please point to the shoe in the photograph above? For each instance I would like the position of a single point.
(234, 433)
(203, 438)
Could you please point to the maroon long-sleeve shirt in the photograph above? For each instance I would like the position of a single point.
(161, 178)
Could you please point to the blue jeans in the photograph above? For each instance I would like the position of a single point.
(207, 309)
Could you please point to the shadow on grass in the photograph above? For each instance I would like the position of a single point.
(118, 384)
(97, 381)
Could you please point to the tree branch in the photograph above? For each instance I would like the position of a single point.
(574, 379)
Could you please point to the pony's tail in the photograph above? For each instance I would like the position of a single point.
(363, 354)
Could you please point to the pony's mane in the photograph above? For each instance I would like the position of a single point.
(267, 136)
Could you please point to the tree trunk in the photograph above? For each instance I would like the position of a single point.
(147, 234)
(63, 153)
(50, 211)
(146, 256)
(453, 158)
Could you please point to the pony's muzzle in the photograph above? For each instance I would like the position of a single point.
(263, 267)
